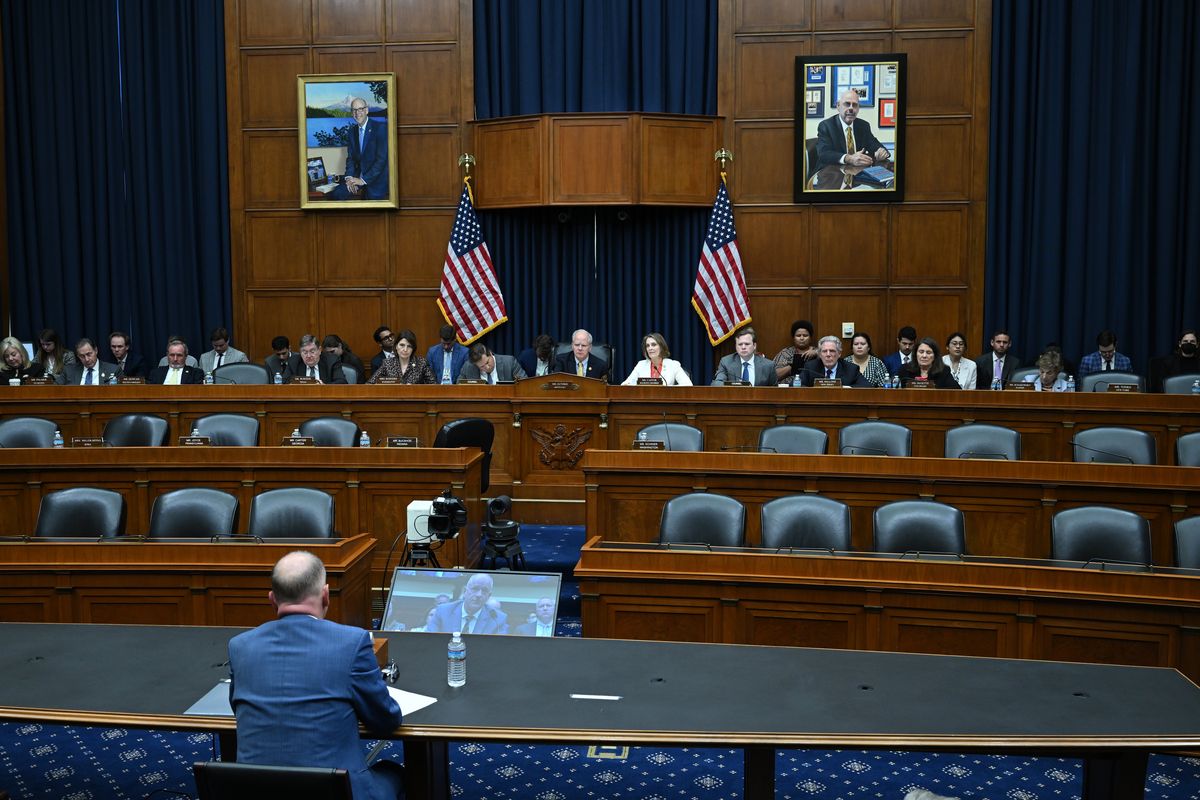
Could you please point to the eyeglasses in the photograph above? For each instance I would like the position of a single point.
(356, 109)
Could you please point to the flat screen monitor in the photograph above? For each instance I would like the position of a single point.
(431, 600)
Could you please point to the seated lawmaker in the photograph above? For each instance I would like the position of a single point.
(829, 364)
(1050, 377)
(539, 359)
(87, 369)
(656, 364)
(483, 363)
(17, 365)
(405, 364)
(927, 368)
(177, 371)
(189, 361)
(581, 361)
(311, 362)
(745, 364)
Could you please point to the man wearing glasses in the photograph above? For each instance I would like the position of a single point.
(387, 346)
(366, 175)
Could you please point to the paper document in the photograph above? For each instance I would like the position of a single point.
(410, 701)
(215, 702)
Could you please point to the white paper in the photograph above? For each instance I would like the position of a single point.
(410, 701)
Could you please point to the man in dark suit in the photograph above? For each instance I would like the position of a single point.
(829, 364)
(996, 364)
(366, 175)
(906, 342)
(88, 369)
(745, 364)
(846, 139)
(581, 361)
(471, 612)
(543, 625)
(447, 358)
(310, 362)
(492, 368)
(128, 363)
(176, 371)
(280, 362)
(539, 359)
(299, 685)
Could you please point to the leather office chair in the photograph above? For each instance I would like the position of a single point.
(983, 441)
(1187, 543)
(806, 521)
(230, 780)
(1114, 445)
(136, 430)
(82, 511)
(605, 351)
(810, 151)
(703, 518)
(243, 373)
(875, 438)
(292, 513)
(793, 439)
(1180, 384)
(229, 430)
(470, 432)
(1099, 533)
(27, 432)
(1099, 381)
(919, 525)
(1187, 450)
(352, 376)
(331, 431)
(193, 513)
(1018, 375)
(675, 436)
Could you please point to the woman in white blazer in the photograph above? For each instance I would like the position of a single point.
(657, 365)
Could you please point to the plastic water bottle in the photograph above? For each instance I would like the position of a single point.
(456, 661)
(643, 436)
(278, 378)
(887, 381)
(112, 379)
(1196, 387)
(797, 381)
(996, 385)
(58, 440)
(364, 440)
(896, 382)
(295, 433)
(208, 378)
(1070, 383)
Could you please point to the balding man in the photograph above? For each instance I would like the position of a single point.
(581, 361)
(471, 612)
(846, 139)
(300, 685)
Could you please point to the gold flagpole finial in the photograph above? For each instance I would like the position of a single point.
(723, 155)
(466, 161)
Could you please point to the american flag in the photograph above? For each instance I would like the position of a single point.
(719, 295)
(470, 297)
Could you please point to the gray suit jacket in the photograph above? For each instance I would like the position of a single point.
(730, 369)
(72, 374)
(507, 370)
(208, 361)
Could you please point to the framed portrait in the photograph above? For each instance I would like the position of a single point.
(841, 154)
(814, 106)
(347, 135)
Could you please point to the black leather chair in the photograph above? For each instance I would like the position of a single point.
(1099, 381)
(27, 432)
(229, 430)
(470, 432)
(292, 513)
(82, 511)
(983, 441)
(1180, 384)
(230, 780)
(605, 351)
(1187, 450)
(243, 373)
(703, 518)
(793, 439)
(919, 525)
(875, 438)
(1187, 543)
(1099, 533)
(136, 430)
(352, 376)
(193, 513)
(806, 521)
(331, 431)
(1114, 445)
(675, 436)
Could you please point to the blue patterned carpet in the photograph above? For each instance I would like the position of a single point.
(53, 762)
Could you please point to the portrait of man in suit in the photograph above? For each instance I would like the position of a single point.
(471, 612)
(366, 175)
(846, 139)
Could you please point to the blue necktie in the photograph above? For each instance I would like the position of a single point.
(829, 372)
(87, 379)
(746, 371)
(362, 135)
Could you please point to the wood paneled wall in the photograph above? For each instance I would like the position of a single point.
(919, 262)
(342, 271)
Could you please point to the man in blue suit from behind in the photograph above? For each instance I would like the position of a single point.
(366, 175)
(300, 684)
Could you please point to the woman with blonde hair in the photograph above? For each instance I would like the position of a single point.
(16, 363)
(657, 364)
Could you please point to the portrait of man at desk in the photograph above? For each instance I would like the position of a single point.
(347, 127)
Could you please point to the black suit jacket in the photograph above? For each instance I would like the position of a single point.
(847, 372)
(190, 375)
(274, 366)
(831, 141)
(135, 367)
(984, 374)
(597, 367)
(328, 369)
(943, 380)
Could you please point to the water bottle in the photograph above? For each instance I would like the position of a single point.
(295, 433)
(195, 431)
(887, 381)
(112, 379)
(896, 382)
(1196, 387)
(996, 385)
(364, 440)
(1070, 383)
(208, 378)
(643, 436)
(58, 440)
(797, 381)
(456, 662)
(278, 378)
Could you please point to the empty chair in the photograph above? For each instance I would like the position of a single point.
(806, 520)
(1099, 533)
(1114, 445)
(229, 430)
(674, 436)
(793, 439)
(351, 373)
(136, 430)
(919, 525)
(1181, 384)
(82, 511)
(1100, 381)
(193, 513)
(983, 441)
(1187, 543)
(292, 513)
(1187, 450)
(331, 431)
(470, 432)
(243, 373)
(702, 518)
(1018, 375)
(875, 438)
(27, 432)
(231, 780)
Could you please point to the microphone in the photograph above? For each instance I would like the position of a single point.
(746, 447)
(792, 550)
(919, 553)
(1121, 457)
(705, 545)
(854, 448)
(1103, 562)
(222, 379)
(976, 454)
(666, 429)
(234, 537)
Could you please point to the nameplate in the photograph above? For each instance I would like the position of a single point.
(195, 441)
(649, 381)
(304, 379)
(917, 383)
(402, 441)
(1019, 386)
(87, 441)
(827, 383)
(41, 380)
(738, 383)
(473, 381)
(126, 380)
(560, 386)
(297, 441)
(645, 444)
(1122, 387)
(388, 379)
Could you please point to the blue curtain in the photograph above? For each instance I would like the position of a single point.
(1093, 187)
(115, 128)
